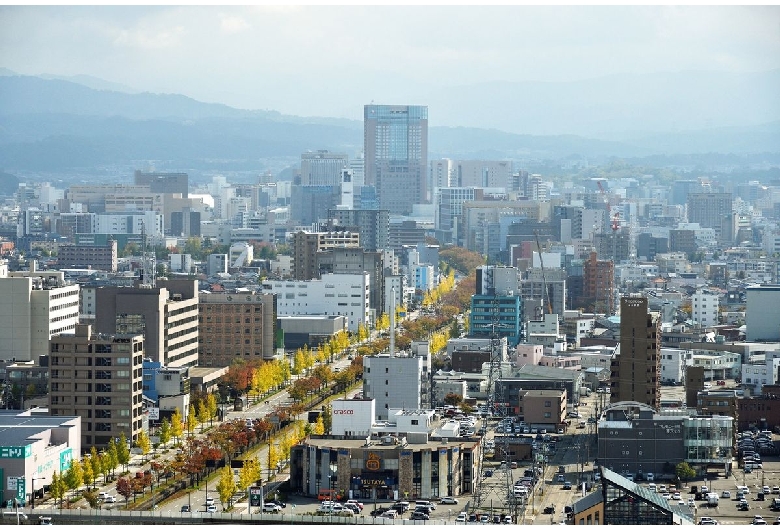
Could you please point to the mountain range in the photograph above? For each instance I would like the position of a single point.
(51, 124)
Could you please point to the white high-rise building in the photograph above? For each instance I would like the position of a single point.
(704, 308)
(334, 294)
(36, 305)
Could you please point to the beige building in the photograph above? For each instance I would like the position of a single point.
(99, 378)
(236, 326)
(35, 306)
(543, 407)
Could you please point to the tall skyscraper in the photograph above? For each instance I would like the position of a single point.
(395, 141)
(322, 168)
(636, 371)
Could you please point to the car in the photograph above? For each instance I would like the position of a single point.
(448, 500)
(776, 521)
(560, 431)
(743, 506)
(704, 489)
(766, 490)
(567, 485)
(725, 494)
(484, 519)
(44, 520)
(757, 519)
(424, 504)
(676, 496)
(549, 509)
(419, 516)
(461, 518)
(662, 488)
(209, 501)
(488, 473)
(211, 508)
(351, 501)
(561, 478)
(376, 512)
(109, 498)
(186, 509)
(650, 477)
(708, 520)
(775, 489)
(507, 519)
(272, 507)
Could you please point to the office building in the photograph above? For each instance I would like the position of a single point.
(36, 305)
(705, 308)
(712, 210)
(98, 257)
(163, 182)
(373, 226)
(306, 245)
(636, 371)
(335, 294)
(99, 378)
(166, 314)
(236, 326)
(394, 382)
(322, 168)
(395, 141)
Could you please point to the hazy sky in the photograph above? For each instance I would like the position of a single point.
(330, 61)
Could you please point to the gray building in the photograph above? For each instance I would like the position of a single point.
(373, 226)
(534, 377)
(634, 438)
(762, 318)
(345, 260)
(167, 316)
(395, 382)
(164, 182)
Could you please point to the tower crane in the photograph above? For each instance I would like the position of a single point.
(544, 280)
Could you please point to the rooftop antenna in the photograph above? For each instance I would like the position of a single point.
(149, 278)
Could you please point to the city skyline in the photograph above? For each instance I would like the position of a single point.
(391, 55)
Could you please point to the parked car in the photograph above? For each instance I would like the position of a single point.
(419, 516)
(186, 509)
(448, 500)
(211, 509)
(461, 518)
(272, 507)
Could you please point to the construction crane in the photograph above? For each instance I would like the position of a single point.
(544, 280)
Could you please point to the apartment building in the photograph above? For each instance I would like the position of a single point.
(235, 326)
(99, 378)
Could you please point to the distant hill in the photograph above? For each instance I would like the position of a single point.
(55, 124)
(9, 184)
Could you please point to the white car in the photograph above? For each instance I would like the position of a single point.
(461, 518)
(448, 500)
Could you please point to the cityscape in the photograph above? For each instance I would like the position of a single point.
(212, 315)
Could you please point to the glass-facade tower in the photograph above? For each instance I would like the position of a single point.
(395, 141)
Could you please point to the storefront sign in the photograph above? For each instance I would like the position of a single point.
(373, 462)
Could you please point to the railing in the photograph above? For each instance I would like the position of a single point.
(107, 517)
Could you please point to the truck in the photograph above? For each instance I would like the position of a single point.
(712, 499)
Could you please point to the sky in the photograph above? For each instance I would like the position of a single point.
(320, 60)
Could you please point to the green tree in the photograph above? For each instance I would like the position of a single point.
(177, 425)
(226, 486)
(211, 405)
(96, 462)
(89, 474)
(165, 431)
(112, 456)
(453, 399)
(74, 476)
(684, 471)
(192, 420)
(249, 474)
(143, 443)
(203, 414)
(58, 487)
(123, 451)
